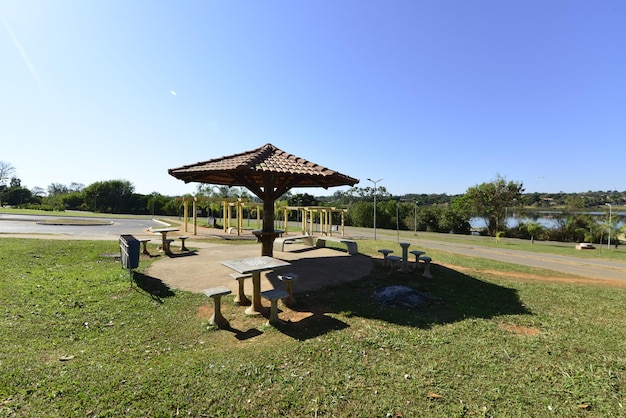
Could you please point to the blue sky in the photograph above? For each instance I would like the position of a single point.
(430, 96)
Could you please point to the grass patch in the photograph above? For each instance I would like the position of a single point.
(78, 340)
(547, 247)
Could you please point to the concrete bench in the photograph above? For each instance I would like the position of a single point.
(273, 296)
(216, 294)
(426, 261)
(144, 244)
(241, 298)
(289, 278)
(165, 247)
(585, 246)
(393, 262)
(279, 243)
(385, 254)
(417, 255)
(182, 247)
(351, 246)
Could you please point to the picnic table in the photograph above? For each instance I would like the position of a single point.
(165, 244)
(255, 265)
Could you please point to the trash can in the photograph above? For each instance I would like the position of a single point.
(129, 251)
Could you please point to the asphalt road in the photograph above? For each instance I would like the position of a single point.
(22, 224)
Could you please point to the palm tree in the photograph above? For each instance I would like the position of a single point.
(533, 229)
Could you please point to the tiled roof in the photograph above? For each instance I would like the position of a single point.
(254, 166)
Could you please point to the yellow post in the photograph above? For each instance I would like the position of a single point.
(225, 209)
(185, 212)
(195, 217)
(239, 217)
(285, 221)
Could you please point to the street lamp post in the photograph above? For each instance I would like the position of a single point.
(610, 213)
(415, 217)
(375, 190)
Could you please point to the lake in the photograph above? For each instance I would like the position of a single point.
(546, 219)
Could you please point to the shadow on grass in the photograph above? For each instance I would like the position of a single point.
(312, 326)
(243, 335)
(152, 286)
(449, 297)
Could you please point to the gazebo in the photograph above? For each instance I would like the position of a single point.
(268, 172)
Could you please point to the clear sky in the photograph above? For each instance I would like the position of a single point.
(430, 96)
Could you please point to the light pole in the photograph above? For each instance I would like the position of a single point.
(415, 217)
(375, 189)
(610, 213)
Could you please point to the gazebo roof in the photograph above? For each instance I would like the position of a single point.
(252, 168)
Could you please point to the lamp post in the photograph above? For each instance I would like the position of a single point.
(610, 213)
(415, 217)
(375, 189)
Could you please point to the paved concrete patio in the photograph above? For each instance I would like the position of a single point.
(200, 269)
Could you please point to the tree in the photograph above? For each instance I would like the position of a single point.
(18, 196)
(6, 171)
(15, 183)
(533, 228)
(303, 199)
(38, 191)
(113, 196)
(491, 200)
(56, 189)
(453, 219)
(361, 214)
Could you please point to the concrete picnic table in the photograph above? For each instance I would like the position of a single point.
(165, 245)
(255, 265)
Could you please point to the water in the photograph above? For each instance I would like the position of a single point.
(547, 220)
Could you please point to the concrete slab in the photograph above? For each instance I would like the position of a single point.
(317, 267)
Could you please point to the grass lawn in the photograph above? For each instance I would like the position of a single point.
(78, 340)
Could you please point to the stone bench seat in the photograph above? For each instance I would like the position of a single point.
(273, 296)
(165, 247)
(351, 246)
(182, 240)
(417, 254)
(385, 254)
(393, 261)
(279, 243)
(585, 246)
(144, 244)
(426, 261)
(216, 294)
(289, 278)
(241, 298)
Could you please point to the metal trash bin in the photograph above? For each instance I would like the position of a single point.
(129, 251)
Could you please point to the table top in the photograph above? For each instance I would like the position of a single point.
(249, 265)
(165, 229)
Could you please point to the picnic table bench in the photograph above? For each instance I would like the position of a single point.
(279, 244)
(350, 245)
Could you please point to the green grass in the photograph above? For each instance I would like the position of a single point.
(548, 247)
(78, 340)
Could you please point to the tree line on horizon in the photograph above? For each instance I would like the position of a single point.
(494, 201)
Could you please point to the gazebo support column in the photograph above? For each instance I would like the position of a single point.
(268, 236)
